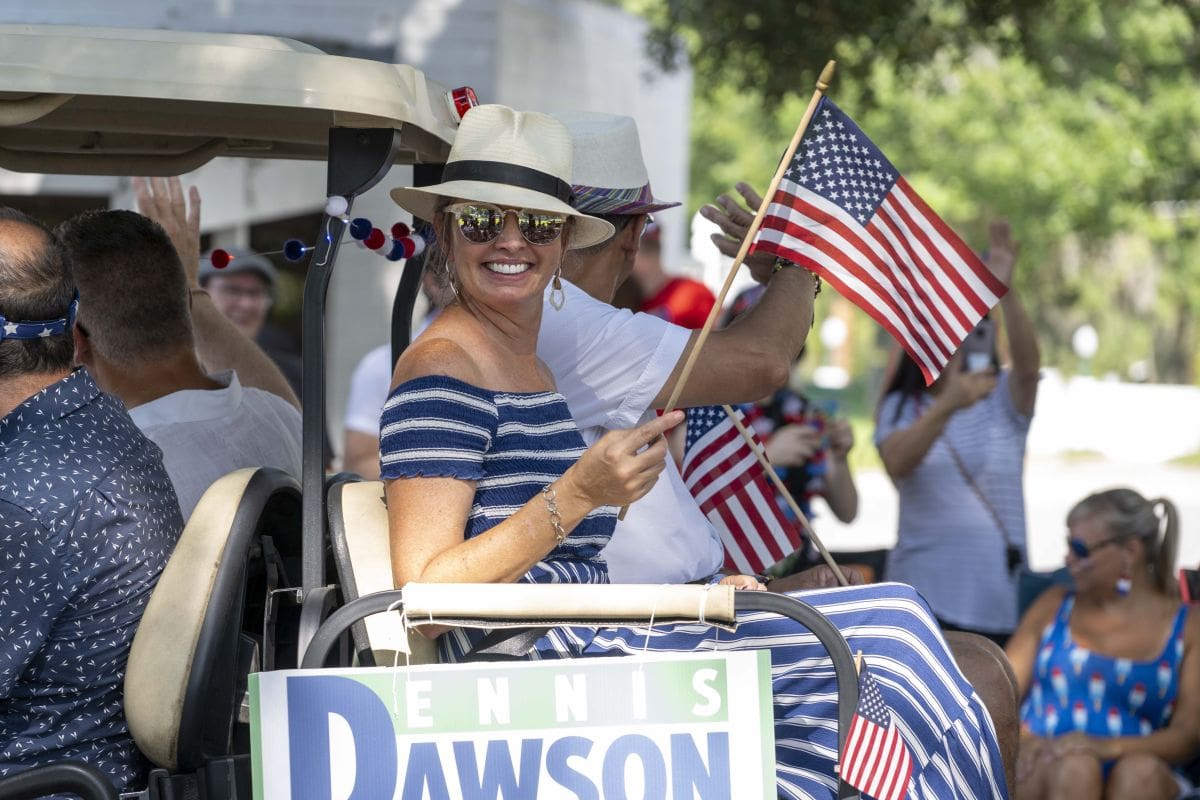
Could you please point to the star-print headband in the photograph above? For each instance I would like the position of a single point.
(42, 329)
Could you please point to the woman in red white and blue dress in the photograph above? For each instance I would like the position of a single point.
(1110, 669)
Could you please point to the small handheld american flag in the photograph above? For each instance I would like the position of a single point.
(843, 211)
(731, 488)
(875, 759)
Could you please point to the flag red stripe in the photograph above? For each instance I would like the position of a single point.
(899, 767)
(885, 219)
(929, 367)
(942, 308)
(767, 518)
(751, 507)
(736, 557)
(860, 252)
(733, 533)
(904, 309)
(729, 472)
(885, 780)
(918, 234)
(968, 256)
(902, 770)
(712, 474)
(877, 785)
(710, 444)
(870, 755)
(852, 750)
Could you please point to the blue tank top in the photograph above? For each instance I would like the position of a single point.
(1075, 689)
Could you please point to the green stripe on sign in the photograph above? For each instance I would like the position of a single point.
(540, 695)
(256, 756)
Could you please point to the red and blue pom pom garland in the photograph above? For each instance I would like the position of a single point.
(403, 242)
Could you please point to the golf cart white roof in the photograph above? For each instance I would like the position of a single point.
(115, 101)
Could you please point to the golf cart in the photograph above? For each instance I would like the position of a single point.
(271, 572)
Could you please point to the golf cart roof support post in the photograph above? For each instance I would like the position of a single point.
(358, 159)
(405, 299)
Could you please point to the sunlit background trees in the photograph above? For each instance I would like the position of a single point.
(1076, 119)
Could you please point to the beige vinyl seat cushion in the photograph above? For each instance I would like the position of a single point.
(160, 660)
(365, 526)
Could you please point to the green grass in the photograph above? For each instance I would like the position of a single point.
(1081, 456)
(1190, 460)
(864, 456)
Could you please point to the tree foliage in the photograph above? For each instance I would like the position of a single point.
(1079, 120)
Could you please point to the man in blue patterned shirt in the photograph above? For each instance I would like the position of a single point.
(87, 520)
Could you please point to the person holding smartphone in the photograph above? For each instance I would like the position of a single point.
(956, 452)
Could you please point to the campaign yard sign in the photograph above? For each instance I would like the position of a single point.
(659, 727)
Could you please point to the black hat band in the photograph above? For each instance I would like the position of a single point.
(511, 175)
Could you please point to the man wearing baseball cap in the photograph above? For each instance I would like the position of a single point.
(243, 290)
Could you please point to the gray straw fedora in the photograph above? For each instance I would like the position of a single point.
(509, 158)
(608, 173)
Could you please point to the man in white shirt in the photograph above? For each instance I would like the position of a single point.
(615, 367)
(152, 337)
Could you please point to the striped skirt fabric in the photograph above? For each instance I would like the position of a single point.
(943, 721)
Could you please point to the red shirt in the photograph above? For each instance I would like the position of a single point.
(682, 301)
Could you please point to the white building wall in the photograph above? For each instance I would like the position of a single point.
(533, 54)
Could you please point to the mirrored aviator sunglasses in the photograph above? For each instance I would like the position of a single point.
(480, 223)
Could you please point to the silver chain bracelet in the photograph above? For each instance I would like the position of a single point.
(552, 506)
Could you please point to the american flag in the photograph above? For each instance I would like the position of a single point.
(843, 211)
(875, 759)
(729, 484)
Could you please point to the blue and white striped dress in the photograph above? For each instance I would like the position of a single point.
(512, 444)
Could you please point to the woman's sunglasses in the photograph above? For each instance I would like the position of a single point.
(480, 223)
(1081, 549)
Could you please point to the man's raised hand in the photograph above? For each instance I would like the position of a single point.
(162, 200)
(735, 220)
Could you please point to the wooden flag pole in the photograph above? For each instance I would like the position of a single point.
(822, 85)
(791, 501)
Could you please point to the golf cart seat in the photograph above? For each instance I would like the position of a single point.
(358, 531)
(213, 618)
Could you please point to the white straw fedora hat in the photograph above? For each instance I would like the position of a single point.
(608, 173)
(508, 158)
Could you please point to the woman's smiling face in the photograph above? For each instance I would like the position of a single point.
(508, 270)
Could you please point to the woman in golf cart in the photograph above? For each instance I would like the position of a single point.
(489, 480)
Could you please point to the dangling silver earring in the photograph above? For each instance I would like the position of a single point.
(450, 280)
(557, 295)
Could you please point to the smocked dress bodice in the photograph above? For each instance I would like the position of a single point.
(1076, 689)
(511, 444)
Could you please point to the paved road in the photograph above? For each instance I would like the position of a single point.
(1052, 486)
